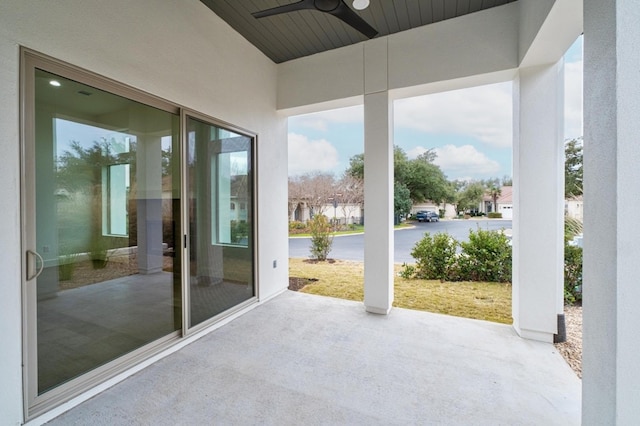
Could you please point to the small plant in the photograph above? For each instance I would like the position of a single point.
(321, 238)
(99, 253)
(434, 256)
(494, 215)
(66, 264)
(407, 272)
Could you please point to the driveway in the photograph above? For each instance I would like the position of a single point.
(351, 247)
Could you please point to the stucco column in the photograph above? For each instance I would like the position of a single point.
(378, 181)
(538, 217)
(611, 287)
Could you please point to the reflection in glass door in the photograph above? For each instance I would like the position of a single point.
(220, 188)
(105, 209)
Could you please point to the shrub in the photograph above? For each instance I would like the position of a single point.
(485, 257)
(572, 274)
(434, 256)
(321, 238)
(239, 231)
(297, 225)
(494, 215)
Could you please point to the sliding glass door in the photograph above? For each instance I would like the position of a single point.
(220, 200)
(138, 227)
(105, 212)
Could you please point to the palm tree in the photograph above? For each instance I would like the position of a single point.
(495, 192)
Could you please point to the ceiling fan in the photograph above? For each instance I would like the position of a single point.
(337, 8)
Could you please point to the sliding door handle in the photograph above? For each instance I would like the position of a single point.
(34, 255)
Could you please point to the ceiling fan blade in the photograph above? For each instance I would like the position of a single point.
(301, 5)
(351, 18)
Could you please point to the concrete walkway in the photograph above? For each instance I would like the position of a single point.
(304, 359)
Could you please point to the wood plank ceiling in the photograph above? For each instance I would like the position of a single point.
(302, 33)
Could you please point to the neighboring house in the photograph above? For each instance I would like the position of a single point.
(504, 203)
(573, 207)
(343, 213)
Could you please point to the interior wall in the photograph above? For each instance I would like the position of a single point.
(179, 51)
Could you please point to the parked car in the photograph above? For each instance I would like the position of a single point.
(432, 217)
(427, 216)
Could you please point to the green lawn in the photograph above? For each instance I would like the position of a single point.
(356, 229)
(345, 280)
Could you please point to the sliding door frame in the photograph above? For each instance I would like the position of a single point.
(186, 320)
(34, 404)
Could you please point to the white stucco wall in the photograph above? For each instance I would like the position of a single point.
(179, 51)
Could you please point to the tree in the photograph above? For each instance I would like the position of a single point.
(494, 191)
(356, 166)
(506, 181)
(573, 168)
(401, 200)
(318, 189)
(469, 196)
(352, 194)
(296, 194)
(400, 164)
(423, 179)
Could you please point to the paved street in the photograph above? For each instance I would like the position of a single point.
(351, 247)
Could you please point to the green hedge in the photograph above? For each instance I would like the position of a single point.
(485, 257)
(494, 215)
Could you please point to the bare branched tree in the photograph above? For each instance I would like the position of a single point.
(296, 194)
(319, 190)
(352, 195)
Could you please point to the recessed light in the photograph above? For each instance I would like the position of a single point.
(360, 4)
(55, 83)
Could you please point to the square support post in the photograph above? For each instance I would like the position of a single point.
(378, 180)
(538, 221)
(378, 203)
(611, 340)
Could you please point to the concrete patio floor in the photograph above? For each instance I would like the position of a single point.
(304, 359)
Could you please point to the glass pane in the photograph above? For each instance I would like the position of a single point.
(220, 200)
(107, 215)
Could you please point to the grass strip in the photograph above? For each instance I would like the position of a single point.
(345, 280)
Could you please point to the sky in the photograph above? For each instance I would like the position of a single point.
(470, 129)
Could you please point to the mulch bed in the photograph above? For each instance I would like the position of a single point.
(571, 350)
(296, 283)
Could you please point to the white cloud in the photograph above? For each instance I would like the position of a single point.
(322, 120)
(458, 160)
(573, 100)
(310, 155)
(483, 112)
